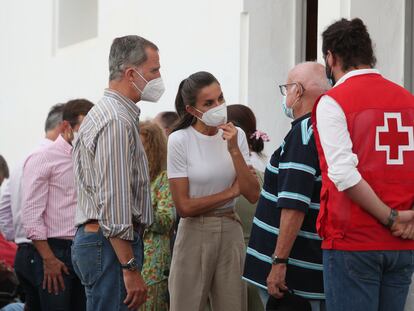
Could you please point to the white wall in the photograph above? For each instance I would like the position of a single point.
(191, 35)
(271, 54)
(385, 23)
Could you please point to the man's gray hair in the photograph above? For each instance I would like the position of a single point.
(54, 117)
(125, 52)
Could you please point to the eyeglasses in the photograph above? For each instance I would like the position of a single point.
(284, 87)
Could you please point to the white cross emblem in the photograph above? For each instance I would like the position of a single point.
(394, 138)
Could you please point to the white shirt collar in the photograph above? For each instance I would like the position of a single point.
(354, 73)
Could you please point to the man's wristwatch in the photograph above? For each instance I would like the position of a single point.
(131, 265)
(276, 260)
(391, 218)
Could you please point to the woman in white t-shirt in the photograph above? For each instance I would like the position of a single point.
(207, 166)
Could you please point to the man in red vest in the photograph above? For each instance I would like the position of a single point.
(364, 134)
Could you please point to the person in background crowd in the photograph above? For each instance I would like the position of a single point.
(4, 170)
(243, 117)
(10, 215)
(207, 165)
(166, 120)
(48, 212)
(111, 170)
(157, 253)
(284, 249)
(364, 134)
(8, 285)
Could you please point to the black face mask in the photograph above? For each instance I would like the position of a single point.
(329, 75)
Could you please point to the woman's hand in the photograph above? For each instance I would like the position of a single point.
(230, 134)
(235, 188)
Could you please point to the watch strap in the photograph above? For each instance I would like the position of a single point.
(276, 260)
(391, 218)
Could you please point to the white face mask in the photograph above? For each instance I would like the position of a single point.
(215, 116)
(153, 90)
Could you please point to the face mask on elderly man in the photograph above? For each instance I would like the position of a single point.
(287, 110)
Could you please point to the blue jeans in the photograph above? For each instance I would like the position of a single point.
(99, 270)
(368, 280)
(73, 297)
(14, 307)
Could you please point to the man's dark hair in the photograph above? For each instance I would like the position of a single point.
(75, 108)
(54, 117)
(168, 119)
(4, 169)
(350, 40)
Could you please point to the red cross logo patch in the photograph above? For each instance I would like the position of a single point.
(394, 138)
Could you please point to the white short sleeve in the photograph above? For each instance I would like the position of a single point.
(177, 155)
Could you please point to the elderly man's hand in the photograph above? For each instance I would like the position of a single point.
(276, 283)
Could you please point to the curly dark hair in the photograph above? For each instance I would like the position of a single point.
(350, 40)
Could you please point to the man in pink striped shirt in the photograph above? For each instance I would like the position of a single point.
(49, 204)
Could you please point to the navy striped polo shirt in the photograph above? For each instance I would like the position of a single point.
(292, 180)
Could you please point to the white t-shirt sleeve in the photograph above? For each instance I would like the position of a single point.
(177, 156)
(243, 145)
(336, 144)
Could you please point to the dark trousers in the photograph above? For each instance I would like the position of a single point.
(73, 297)
(24, 268)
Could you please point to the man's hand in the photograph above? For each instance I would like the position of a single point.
(405, 216)
(276, 283)
(136, 289)
(52, 275)
(404, 231)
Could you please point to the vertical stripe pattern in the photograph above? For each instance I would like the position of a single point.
(49, 194)
(111, 168)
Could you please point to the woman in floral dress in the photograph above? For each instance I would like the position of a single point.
(157, 254)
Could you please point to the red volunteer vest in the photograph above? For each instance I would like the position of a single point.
(380, 119)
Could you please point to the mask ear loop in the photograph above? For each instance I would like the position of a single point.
(133, 83)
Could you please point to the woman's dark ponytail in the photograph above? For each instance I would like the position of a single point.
(186, 119)
(187, 95)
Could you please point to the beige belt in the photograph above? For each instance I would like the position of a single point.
(229, 213)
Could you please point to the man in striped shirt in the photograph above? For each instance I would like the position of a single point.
(113, 183)
(49, 205)
(284, 249)
(11, 210)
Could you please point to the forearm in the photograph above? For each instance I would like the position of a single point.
(290, 223)
(363, 195)
(248, 183)
(123, 249)
(190, 207)
(42, 246)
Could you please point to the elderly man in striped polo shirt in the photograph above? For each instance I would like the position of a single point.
(111, 170)
(284, 249)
